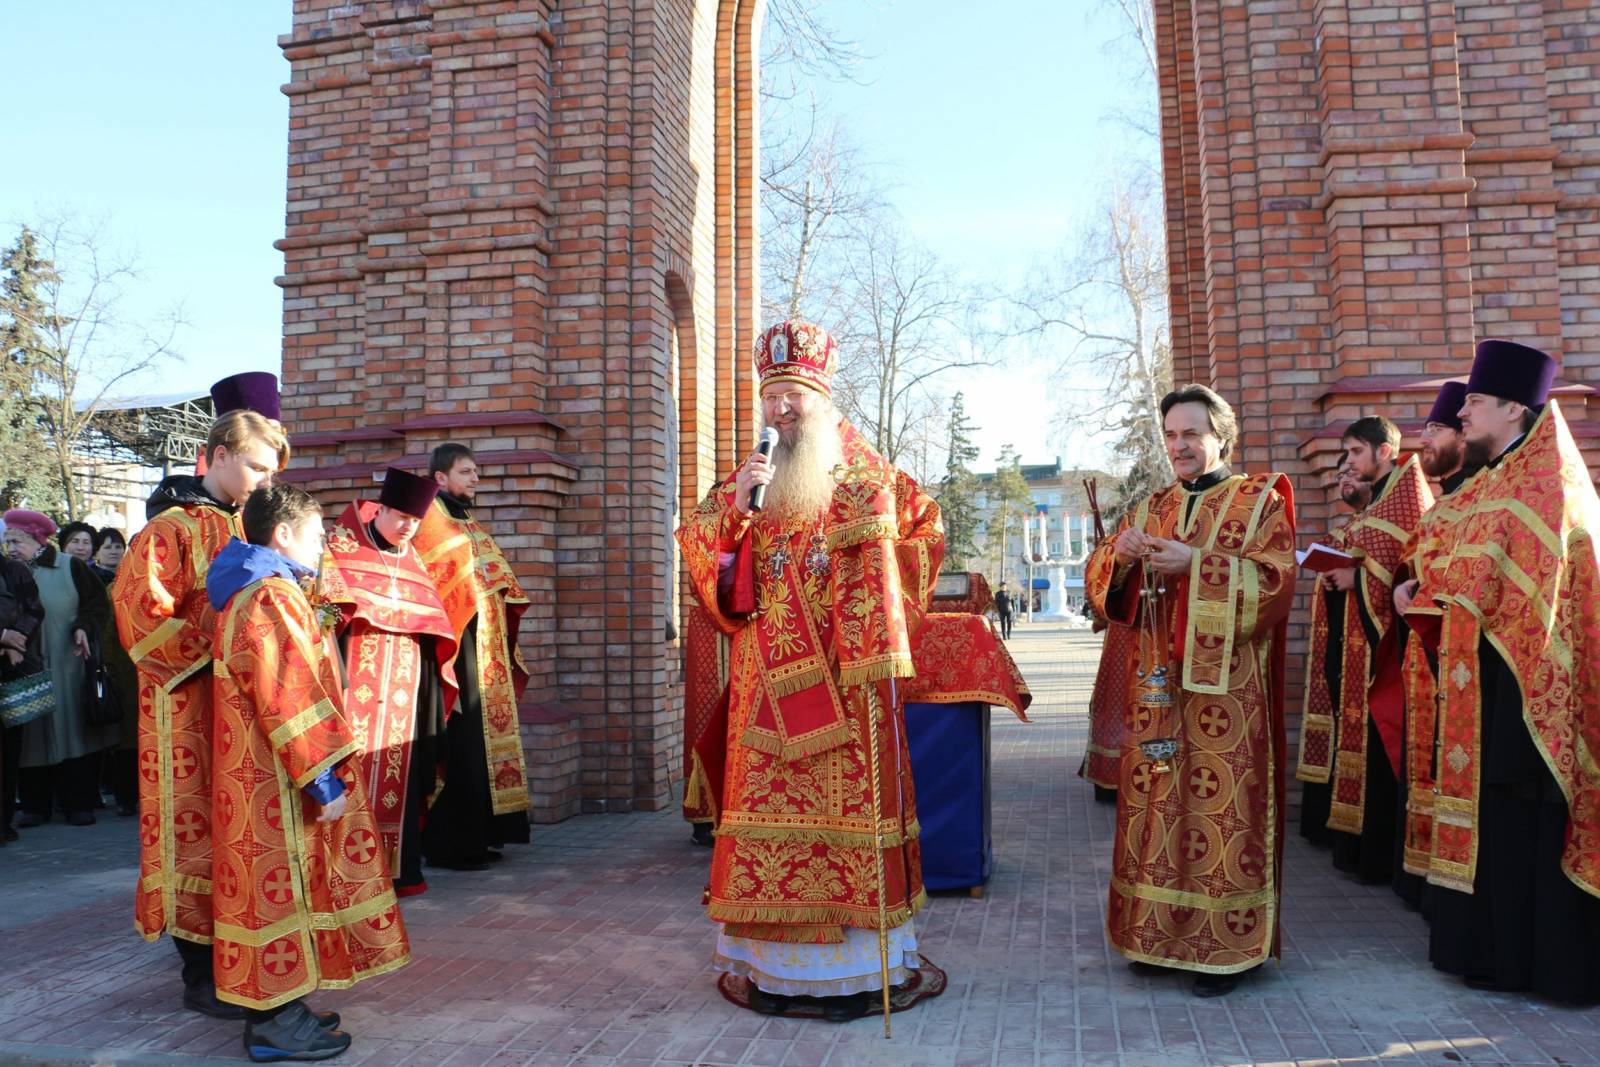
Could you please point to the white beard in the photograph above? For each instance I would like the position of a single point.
(802, 478)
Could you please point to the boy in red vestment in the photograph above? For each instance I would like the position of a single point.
(302, 898)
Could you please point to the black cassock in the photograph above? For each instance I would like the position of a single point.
(1525, 925)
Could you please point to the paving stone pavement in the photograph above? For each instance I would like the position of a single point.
(589, 947)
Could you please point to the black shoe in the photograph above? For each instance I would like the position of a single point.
(702, 834)
(767, 1003)
(1491, 985)
(1148, 970)
(28, 820)
(203, 999)
(846, 1008)
(80, 818)
(293, 1034)
(1215, 985)
(328, 1020)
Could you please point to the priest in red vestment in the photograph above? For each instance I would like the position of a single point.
(821, 589)
(1204, 569)
(302, 897)
(484, 801)
(1356, 749)
(1513, 612)
(399, 651)
(165, 623)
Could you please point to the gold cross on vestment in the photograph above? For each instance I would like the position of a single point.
(858, 470)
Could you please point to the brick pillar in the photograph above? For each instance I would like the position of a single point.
(500, 213)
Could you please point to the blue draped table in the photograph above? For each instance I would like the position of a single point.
(950, 767)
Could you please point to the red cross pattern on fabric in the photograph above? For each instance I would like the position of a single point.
(1203, 783)
(1214, 721)
(228, 882)
(274, 814)
(230, 954)
(1141, 718)
(1142, 777)
(1213, 571)
(280, 957)
(361, 846)
(1231, 536)
(1195, 845)
(184, 762)
(1241, 921)
(189, 827)
(149, 829)
(277, 888)
(383, 920)
(149, 765)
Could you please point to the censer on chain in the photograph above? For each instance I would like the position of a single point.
(1152, 687)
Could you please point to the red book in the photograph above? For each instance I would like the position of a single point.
(1322, 559)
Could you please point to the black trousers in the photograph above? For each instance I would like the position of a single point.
(1369, 855)
(461, 825)
(1005, 624)
(73, 784)
(195, 963)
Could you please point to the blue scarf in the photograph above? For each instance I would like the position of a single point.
(240, 564)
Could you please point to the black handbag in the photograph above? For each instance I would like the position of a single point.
(102, 706)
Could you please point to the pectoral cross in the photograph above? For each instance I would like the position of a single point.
(778, 560)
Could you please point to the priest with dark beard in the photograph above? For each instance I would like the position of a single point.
(1513, 845)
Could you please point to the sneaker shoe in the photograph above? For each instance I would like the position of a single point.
(293, 1034)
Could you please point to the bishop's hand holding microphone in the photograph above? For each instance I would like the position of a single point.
(750, 483)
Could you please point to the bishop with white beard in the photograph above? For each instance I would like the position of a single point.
(821, 590)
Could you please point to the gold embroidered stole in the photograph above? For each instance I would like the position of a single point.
(1524, 576)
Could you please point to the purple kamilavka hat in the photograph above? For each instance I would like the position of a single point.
(254, 390)
(1511, 371)
(407, 492)
(1447, 406)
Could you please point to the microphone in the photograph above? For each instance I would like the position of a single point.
(769, 441)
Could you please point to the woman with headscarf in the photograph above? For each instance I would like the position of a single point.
(20, 617)
(122, 762)
(76, 539)
(59, 751)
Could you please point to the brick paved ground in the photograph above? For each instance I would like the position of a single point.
(589, 948)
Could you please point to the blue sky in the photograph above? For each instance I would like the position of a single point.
(169, 125)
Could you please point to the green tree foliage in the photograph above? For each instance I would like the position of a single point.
(958, 490)
(29, 477)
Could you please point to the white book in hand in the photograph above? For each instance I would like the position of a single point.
(1321, 558)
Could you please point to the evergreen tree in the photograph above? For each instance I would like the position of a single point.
(28, 475)
(958, 491)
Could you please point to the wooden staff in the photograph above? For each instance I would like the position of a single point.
(1089, 487)
(878, 846)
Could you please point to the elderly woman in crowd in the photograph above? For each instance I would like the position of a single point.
(20, 617)
(59, 751)
(122, 761)
(76, 539)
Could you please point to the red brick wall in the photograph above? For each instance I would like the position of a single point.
(1356, 192)
(518, 225)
